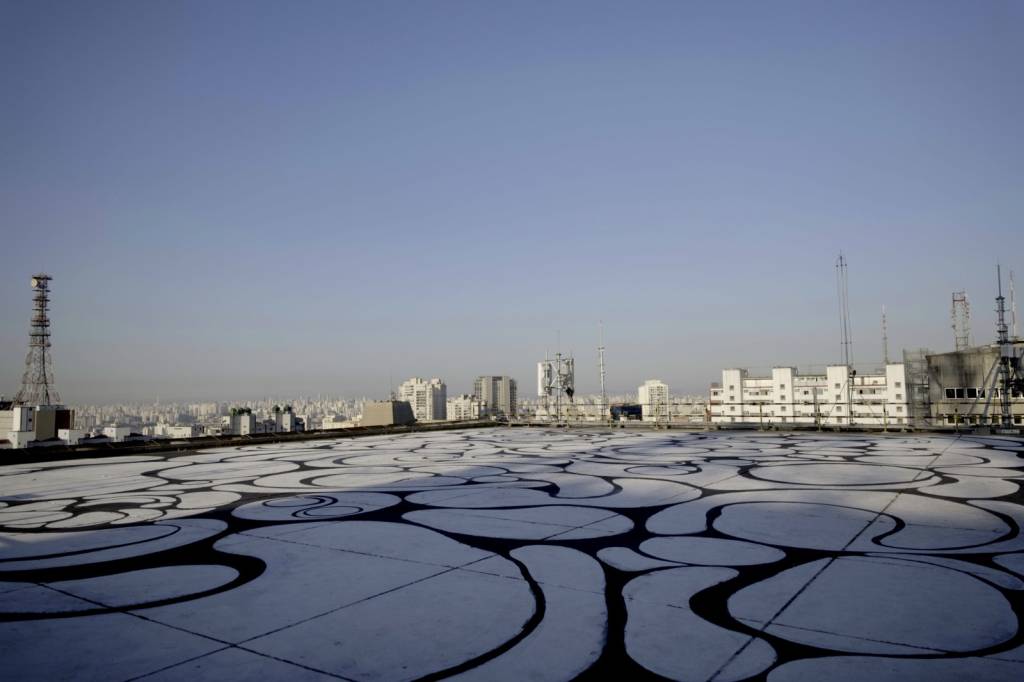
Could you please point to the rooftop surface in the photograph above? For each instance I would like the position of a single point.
(513, 554)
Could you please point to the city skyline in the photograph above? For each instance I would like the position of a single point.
(449, 193)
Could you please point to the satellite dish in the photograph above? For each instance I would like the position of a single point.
(35, 283)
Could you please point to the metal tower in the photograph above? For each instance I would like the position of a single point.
(1007, 358)
(37, 387)
(960, 315)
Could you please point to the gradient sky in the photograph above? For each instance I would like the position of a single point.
(251, 198)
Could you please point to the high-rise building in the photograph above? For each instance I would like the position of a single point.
(427, 398)
(653, 399)
(497, 395)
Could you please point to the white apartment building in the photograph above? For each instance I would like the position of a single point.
(171, 431)
(837, 398)
(242, 422)
(654, 401)
(427, 398)
(464, 407)
(284, 420)
(117, 433)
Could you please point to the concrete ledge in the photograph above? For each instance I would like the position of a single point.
(61, 452)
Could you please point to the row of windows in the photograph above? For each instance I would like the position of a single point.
(974, 393)
(898, 420)
(838, 408)
(980, 419)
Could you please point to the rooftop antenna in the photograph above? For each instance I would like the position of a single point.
(37, 386)
(960, 316)
(1013, 310)
(600, 364)
(847, 332)
(844, 311)
(885, 338)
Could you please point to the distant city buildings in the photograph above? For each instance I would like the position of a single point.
(464, 407)
(497, 395)
(427, 398)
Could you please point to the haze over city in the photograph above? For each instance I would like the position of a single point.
(249, 198)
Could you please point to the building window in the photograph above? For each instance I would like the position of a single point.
(899, 408)
(899, 396)
(972, 393)
(732, 387)
(950, 393)
(898, 385)
(959, 393)
(783, 408)
(782, 387)
(837, 386)
(839, 408)
(732, 408)
(949, 419)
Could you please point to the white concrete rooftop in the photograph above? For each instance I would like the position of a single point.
(521, 554)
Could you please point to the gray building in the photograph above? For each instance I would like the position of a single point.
(387, 413)
(497, 395)
(963, 388)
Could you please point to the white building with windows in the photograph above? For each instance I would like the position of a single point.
(464, 407)
(840, 397)
(427, 398)
(654, 400)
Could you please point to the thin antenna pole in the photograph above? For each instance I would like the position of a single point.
(844, 311)
(847, 332)
(600, 362)
(1013, 309)
(885, 338)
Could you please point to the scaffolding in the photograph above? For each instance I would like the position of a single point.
(915, 367)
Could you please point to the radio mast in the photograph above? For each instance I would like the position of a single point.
(37, 386)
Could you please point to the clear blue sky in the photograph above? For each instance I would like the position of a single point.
(252, 198)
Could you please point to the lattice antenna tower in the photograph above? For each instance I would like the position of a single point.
(37, 385)
(960, 316)
(885, 338)
(845, 328)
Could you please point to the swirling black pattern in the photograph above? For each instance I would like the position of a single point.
(521, 554)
